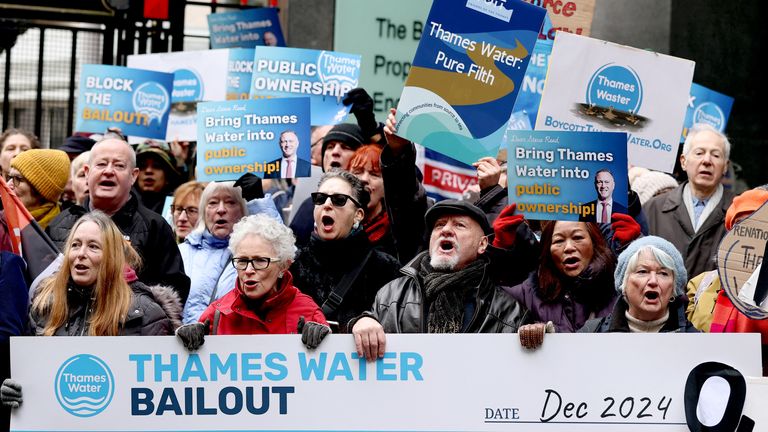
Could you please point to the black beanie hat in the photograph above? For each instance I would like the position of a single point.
(350, 134)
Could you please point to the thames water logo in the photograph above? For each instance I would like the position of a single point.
(617, 87)
(338, 72)
(710, 114)
(495, 8)
(152, 100)
(84, 385)
(187, 86)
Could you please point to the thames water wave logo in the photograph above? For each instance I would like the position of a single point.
(84, 385)
(616, 86)
(495, 8)
(152, 100)
(710, 114)
(340, 71)
(187, 86)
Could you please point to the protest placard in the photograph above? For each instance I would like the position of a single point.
(136, 101)
(324, 76)
(597, 86)
(446, 178)
(193, 81)
(386, 34)
(253, 136)
(568, 175)
(707, 106)
(239, 73)
(529, 99)
(245, 28)
(466, 75)
(436, 382)
(572, 16)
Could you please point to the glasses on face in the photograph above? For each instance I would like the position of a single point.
(258, 263)
(117, 166)
(178, 210)
(338, 200)
(16, 179)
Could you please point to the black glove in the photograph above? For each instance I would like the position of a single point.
(251, 186)
(312, 333)
(193, 335)
(10, 393)
(362, 108)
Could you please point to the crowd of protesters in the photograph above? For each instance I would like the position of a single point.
(367, 253)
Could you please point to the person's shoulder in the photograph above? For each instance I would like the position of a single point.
(663, 200)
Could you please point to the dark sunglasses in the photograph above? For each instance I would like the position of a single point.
(338, 200)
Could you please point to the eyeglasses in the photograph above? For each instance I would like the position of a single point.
(338, 200)
(16, 179)
(178, 210)
(258, 263)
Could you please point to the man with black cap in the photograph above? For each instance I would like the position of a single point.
(446, 289)
(75, 145)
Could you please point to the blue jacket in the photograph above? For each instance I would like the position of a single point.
(14, 297)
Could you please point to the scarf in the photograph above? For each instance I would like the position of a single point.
(377, 227)
(446, 292)
(45, 213)
(209, 241)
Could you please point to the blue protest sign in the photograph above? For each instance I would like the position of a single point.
(466, 75)
(707, 106)
(239, 73)
(135, 100)
(324, 76)
(245, 29)
(570, 176)
(253, 136)
(533, 82)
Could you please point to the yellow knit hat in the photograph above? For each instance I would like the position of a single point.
(46, 170)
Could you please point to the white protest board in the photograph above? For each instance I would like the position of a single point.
(484, 382)
(198, 76)
(598, 86)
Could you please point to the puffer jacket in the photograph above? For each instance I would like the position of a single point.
(616, 322)
(207, 260)
(155, 311)
(278, 314)
(400, 305)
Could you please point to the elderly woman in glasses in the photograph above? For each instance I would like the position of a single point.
(264, 300)
(204, 251)
(339, 268)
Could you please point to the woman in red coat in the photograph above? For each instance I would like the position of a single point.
(264, 300)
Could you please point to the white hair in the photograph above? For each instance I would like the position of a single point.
(268, 228)
(704, 127)
(210, 189)
(661, 257)
(78, 163)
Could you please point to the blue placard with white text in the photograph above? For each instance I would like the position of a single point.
(238, 137)
(245, 29)
(553, 175)
(529, 99)
(239, 73)
(135, 100)
(707, 106)
(324, 76)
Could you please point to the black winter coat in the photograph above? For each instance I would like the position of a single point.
(616, 322)
(148, 233)
(321, 265)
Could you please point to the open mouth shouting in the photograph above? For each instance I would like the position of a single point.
(327, 223)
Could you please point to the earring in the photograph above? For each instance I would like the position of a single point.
(356, 225)
(671, 299)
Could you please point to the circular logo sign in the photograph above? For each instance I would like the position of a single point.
(710, 114)
(84, 385)
(187, 86)
(151, 99)
(616, 86)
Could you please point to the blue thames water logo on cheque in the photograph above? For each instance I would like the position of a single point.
(616, 86)
(84, 385)
(711, 114)
(151, 99)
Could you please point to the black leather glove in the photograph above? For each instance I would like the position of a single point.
(251, 186)
(312, 333)
(362, 108)
(193, 335)
(10, 393)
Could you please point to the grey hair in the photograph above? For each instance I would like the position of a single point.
(661, 257)
(269, 229)
(358, 189)
(131, 153)
(78, 163)
(704, 127)
(211, 189)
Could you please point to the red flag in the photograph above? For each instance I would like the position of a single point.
(28, 240)
(156, 9)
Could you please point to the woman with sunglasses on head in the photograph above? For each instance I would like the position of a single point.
(339, 268)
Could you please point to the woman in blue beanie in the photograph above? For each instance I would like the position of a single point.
(649, 277)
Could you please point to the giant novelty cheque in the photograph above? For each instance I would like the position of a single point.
(574, 382)
(136, 101)
(466, 75)
(323, 76)
(193, 81)
(597, 86)
(238, 137)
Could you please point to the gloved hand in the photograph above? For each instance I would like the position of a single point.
(362, 108)
(10, 393)
(193, 335)
(312, 333)
(532, 335)
(505, 227)
(251, 186)
(625, 228)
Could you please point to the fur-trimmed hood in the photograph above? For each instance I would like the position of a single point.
(166, 297)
